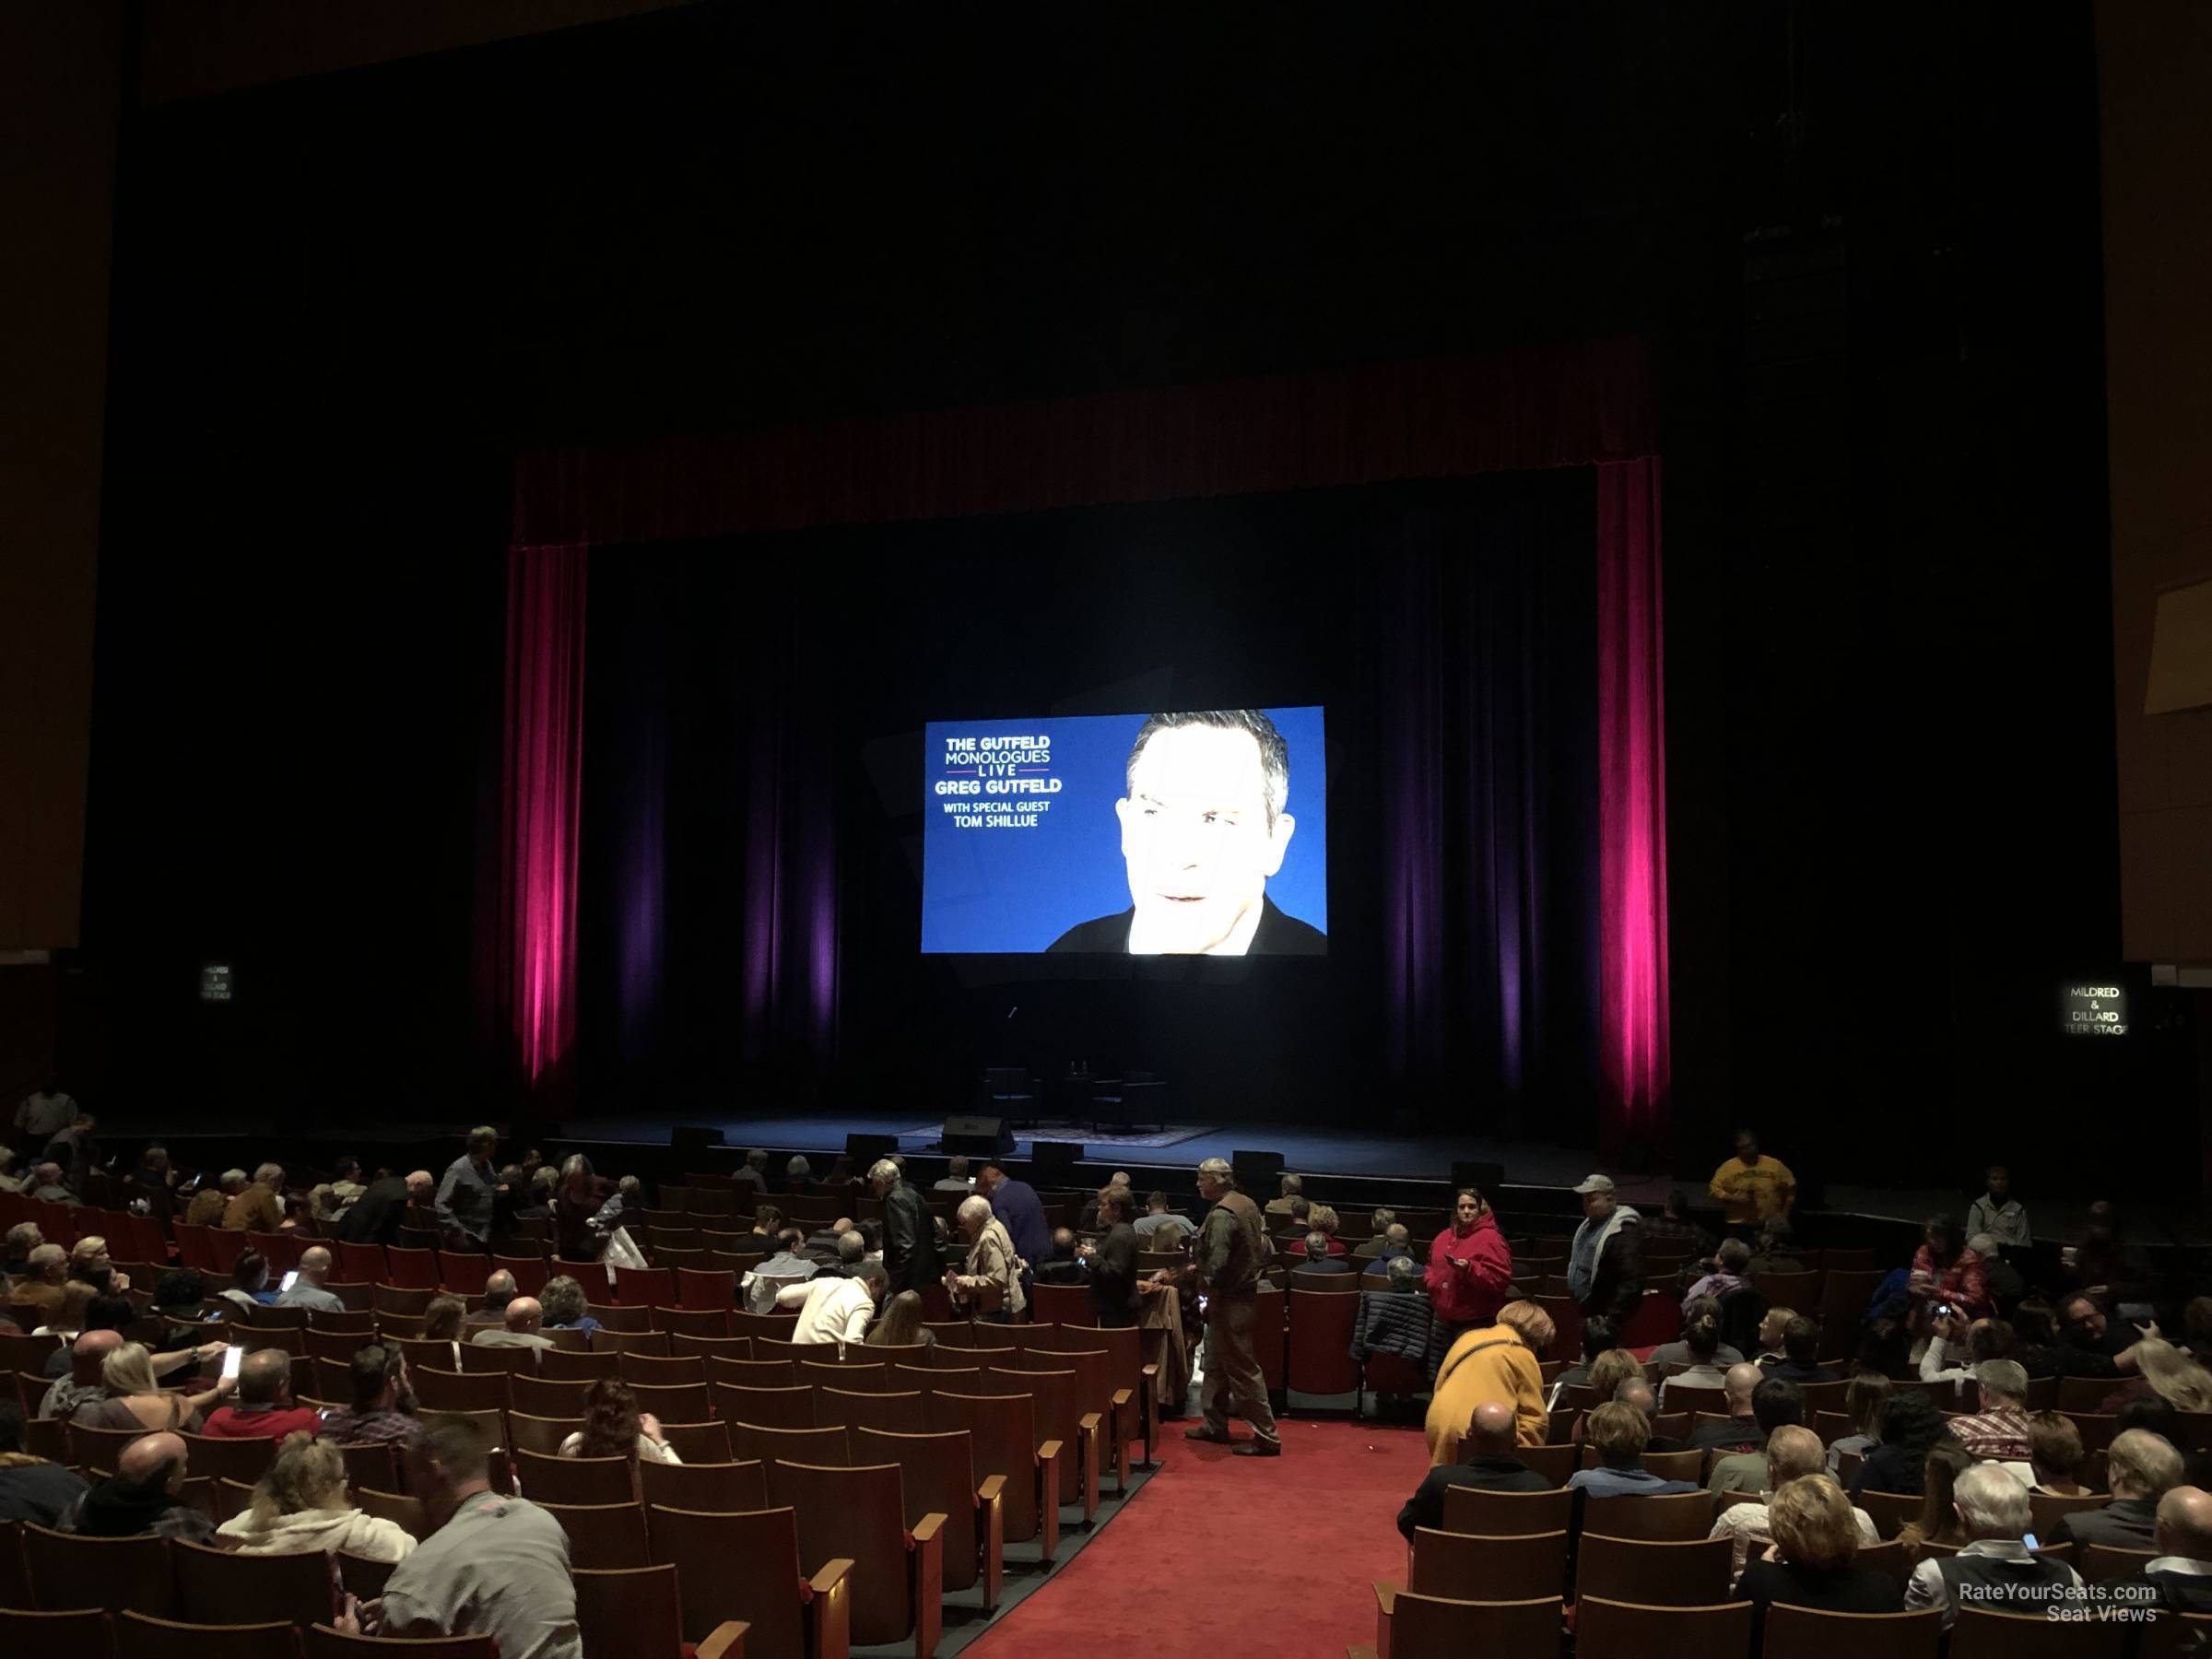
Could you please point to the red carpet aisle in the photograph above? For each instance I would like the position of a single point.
(1220, 1557)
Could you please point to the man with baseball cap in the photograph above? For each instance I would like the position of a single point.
(1226, 1259)
(1605, 1267)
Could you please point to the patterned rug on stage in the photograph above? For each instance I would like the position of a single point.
(1172, 1136)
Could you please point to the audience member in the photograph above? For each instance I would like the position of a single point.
(1751, 1188)
(1731, 1265)
(1599, 1337)
(1379, 1226)
(1792, 1451)
(2180, 1573)
(71, 1151)
(956, 1178)
(1318, 1258)
(1604, 1261)
(562, 1305)
(44, 1112)
(46, 1185)
(308, 1291)
(1993, 1568)
(498, 1290)
(1862, 1403)
(1065, 1265)
(1946, 1280)
(1700, 1348)
(2140, 1468)
(145, 1495)
(45, 1272)
(1800, 1360)
(301, 1507)
(1492, 1362)
(579, 1210)
(1741, 1432)
(22, 1239)
(491, 1566)
(442, 1322)
(343, 1191)
(258, 1207)
(83, 1385)
(1911, 1424)
(1672, 1231)
(1486, 1462)
(1937, 1520)
(375, 1218)
(2007, 1288)
(798, 1176)
(1637, 1393)
(263, 1408)
(1619, 1433)
(1020, 1211)
(1812, 1562)
(1998, 1213)
(1387, 1246)
(1999, 1429)
(2056, 1454)
(1160, 1227)
(1775, 1405)
(1770, 1328)
(753, 1172)
(119, 1313)
(89, 1264)
(211, 1201)
(790, 1265)
(900, 1325)
(136, 1401)
(519, 1327)
(1470, 1273)
(469, 1191)
(1279, 1205)
(993, 1262)
(1678, 1352)
(909, 1245)
(838, 1309)
(1116, 1301)
(2163, 1373)
(383, 1412)
(31, 1488)
(613, 1427)
(1985, 1339)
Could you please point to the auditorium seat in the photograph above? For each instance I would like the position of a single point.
(617, 1317)
(653, 1344)
(1979, 1633)
(325, 1643)
(462, 1391)
(213, 1585)
(1670, 1515)
(752, 1373)
(639, 1611)
(689, 1322)
(707, 1442)
(1507, 1514)
(393, 1298)
(1889, 1511)
(483, 1358)
(529, 1432)
(937, 1476)
(1654, 1572)
(549, 1396)
(412, 1270)
(687, 1344)
(608, 1534)
(1408, 1625)
(1606, 1628)
(530, 1272)
(79, 1635)
(788, 1615)
(899, 1413)
(660, 1371)
(859, 1514)
(1002, 1437)
(551, 1478)
(66, 1570)
(769, 1407)
(1808, 1633)
(853, 1379)
(561, 1366)
(717, 1487)
(1466, 1566)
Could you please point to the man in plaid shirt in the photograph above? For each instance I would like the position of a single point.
(1999, 1429)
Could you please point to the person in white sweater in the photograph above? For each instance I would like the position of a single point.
(301, 1505)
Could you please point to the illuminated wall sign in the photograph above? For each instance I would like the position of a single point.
(214, 983)
(2096, 1011)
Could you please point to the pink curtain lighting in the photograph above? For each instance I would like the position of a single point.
(542, 803)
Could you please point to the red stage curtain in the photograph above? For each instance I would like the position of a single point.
(1632, 734)
(542, 803)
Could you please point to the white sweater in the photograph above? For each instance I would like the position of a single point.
(295, 1533)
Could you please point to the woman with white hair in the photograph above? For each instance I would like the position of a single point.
(301, 1506)
(991, 1261)
(136, 1401)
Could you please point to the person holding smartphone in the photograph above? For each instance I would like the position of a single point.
(1470, 1272)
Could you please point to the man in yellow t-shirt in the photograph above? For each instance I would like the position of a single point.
(1754, 1191)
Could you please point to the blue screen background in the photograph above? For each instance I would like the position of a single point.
(1013, 891)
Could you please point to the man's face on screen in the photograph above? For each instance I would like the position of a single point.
(1199, 848)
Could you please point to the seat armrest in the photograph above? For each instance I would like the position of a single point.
(726, 1641)
(926, 1563)
(830, 1613)
(991, 1537)
(1048, 1498)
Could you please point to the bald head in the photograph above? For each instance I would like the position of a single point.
(1793, 1449)
(314, 1264)
(1741, 1380)
(1489, 1431)
(153, 1463)
(2185, 1523)
(90, 1351)
(524, 1314)
(262, 1376)
(420, 1187)
(498, 1286)
(1635, 1392)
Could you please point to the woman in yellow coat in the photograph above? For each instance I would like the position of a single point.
(1496, 1363)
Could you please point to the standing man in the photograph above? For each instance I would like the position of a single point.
(470, 1191)
(1753, 1190)
(910, 1243)
(1605, 1264)
(1998, 1213)
(1018, 1209)
(45, 1115)
(1232, 1241)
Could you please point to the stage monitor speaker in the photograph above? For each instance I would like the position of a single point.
(693, 1137)
(1054, 1161)
(1257, 1171)
(978, 1136)
(1485, 1178)
(865, 1149)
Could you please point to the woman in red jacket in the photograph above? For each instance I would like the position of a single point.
(1470, 1268)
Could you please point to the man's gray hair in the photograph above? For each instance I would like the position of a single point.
(2007, 1378)
(1405, 1274)
(755, 1158)
(1217, 1169)
(1275, 754)
(1317, 1246)
(1981, 1244)
(973, 1206)
(797, 1168)
(884, 1170)
(1993, 1503)
(483, 1135)
(629, 1186)
(2143, 1460)
(851, 1248)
